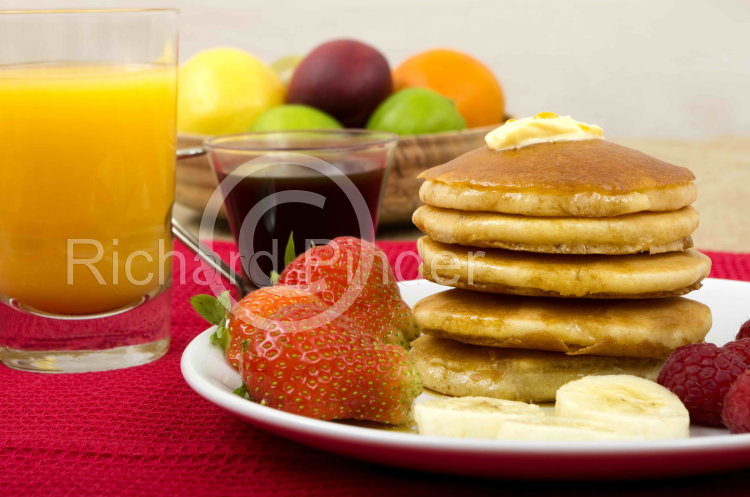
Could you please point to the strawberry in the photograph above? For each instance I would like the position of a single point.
(354, 278)
(250, 314)
(311, 365)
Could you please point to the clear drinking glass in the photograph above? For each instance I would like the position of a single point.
(312, 185)
(87, 137)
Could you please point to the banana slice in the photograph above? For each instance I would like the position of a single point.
(634, 406)
(607, 407)
(470, 417)
(557, 429)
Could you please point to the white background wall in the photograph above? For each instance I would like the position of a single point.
(638, 68)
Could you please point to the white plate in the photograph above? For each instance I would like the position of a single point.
(707, 450)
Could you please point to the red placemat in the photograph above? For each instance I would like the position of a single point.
(142, 431)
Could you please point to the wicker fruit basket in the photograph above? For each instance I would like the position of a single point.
(414, 154)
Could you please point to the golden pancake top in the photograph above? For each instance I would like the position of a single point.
(565, 167)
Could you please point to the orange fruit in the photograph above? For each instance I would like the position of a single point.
(462, 78)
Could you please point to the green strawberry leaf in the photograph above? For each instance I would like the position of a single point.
(210, 308)
(289, 255)
(215, 310)
(289, 252)
(241, 391)
(225, 300)
(220, 337)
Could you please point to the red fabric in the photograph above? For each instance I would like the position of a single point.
(142, 431)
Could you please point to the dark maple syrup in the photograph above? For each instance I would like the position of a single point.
(262, 246)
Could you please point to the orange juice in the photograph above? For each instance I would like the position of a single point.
(86, 184)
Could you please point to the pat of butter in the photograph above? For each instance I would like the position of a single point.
(545, 127)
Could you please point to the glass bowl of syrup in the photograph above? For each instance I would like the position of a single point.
(311, 186)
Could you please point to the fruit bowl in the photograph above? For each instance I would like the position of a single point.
(414, 154)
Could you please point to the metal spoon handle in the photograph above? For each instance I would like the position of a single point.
(186, 153)
(208, 256)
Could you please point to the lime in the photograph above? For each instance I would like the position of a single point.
(414, 111)
(294, 116)
(223, 90)
(285, 66)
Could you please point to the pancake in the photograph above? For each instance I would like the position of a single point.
(587, 178)
(554, 275)
(652, 232)
(458, 369)
(629, 328)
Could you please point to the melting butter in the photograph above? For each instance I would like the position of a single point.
(545, 127)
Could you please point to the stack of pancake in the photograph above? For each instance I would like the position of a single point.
(568, 259)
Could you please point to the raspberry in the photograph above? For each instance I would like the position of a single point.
(740, 347)
(700, 375)
(744, 330)
(736, 413)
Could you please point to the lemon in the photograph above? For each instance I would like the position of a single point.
(293, 116)
(223, 90)
(415, 111)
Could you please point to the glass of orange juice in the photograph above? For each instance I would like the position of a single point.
(87, 140)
